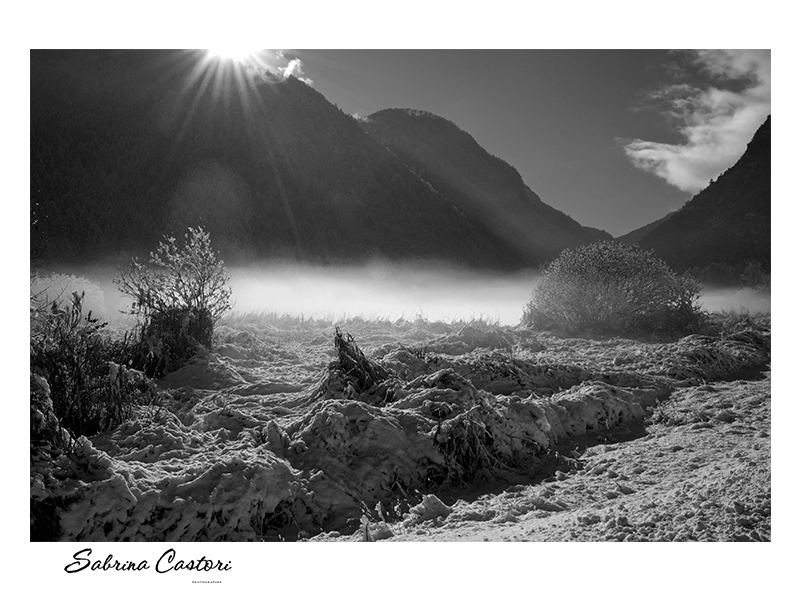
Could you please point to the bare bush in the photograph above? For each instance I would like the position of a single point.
(613, 288)
(72, 367)
(179, 295)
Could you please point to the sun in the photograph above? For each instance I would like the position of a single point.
(234, 53)
(230, 74)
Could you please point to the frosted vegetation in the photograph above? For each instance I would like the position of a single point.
(613, 288)
(204, 424)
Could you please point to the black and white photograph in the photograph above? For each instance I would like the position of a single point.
(396, 295)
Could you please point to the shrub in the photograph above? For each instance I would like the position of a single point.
(613, 288)
(179, 295)
(73, 376)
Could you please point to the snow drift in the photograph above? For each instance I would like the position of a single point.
(238, 453)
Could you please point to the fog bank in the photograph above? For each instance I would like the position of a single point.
(381, 290)
(376, 290)
(741, 300)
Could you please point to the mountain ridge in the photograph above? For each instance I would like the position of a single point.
(453, 162)
(274, 172)
(128, 146)
(635, 236)
(728, 222)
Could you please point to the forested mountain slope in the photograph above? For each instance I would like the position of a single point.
(728, 222)
(127, 146)
(478, 183)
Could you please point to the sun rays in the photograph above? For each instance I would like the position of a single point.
(228, 90)
(234, 53)
(230, 78)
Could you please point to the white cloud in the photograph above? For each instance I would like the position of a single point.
(717, 121)
(269, 63)
(291, 66)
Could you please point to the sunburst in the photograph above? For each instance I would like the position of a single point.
(231, 72)
(234, 53)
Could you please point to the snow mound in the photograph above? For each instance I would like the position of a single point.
(204, 371)
(468, 339)
(218, 462)
(197, 493)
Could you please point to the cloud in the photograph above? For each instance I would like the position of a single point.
(276, 63)
(716, 120)
(291, 66)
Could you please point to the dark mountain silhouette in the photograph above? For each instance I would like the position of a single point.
(127, 146)
(635, 236)
(727, 223)
(478, 184)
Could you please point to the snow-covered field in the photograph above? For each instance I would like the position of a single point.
(288, 431)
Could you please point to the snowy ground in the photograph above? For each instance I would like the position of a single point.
(701, 473)
(473, 432)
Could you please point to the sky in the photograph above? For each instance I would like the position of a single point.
(614, 138)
